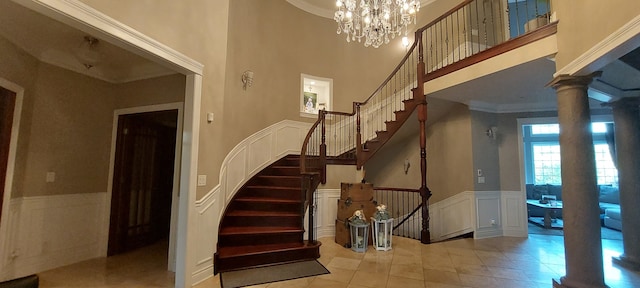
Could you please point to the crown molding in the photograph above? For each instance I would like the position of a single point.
(511, 108)
(79, 15)
(608, 50)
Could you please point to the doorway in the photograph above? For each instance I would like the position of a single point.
(143, 180)
(7, 104)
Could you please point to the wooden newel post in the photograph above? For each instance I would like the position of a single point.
(311, 227)
(425, 193)
(358, 138)
(418, 94)
(323, 149)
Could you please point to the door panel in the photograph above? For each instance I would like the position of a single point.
(143, 180)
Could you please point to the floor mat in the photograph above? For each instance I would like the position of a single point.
(274, 273)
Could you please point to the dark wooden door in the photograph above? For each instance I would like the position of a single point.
(142, 180)
(7, 104)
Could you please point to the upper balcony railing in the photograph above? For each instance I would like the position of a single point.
(476, 26)
(471, 29)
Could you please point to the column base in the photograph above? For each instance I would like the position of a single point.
(564, 283)
(626, 263)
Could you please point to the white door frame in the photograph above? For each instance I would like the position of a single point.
(13, 144)
(85, 18)
(104, 241)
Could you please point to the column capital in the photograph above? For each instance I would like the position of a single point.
(568, 80)
(632, 103)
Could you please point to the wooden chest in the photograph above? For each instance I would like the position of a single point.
(342, 233)
(356, 191)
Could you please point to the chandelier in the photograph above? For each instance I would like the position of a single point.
(375, 20)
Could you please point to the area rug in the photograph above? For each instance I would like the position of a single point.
(274, 273)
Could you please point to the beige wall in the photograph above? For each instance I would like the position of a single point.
(276, 49)
(578, 29)
(485, 151)
(450, 161)
(67, 121)
(160, 90)
(20, 68)
(198, 29)
(70, 133)
(386, 168)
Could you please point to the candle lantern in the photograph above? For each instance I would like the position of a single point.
(359, 231)
(382, 228)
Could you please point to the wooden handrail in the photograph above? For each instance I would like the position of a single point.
(445, 15)
(390, 93)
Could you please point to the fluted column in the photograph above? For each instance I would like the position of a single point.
(581, 212)
(626, 117)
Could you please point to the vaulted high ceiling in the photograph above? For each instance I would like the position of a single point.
(56, 43)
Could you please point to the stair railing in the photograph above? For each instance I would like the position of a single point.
(475, 26)
(472, 27)
(405, 206)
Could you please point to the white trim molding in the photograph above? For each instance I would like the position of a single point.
(179, 106)
(616, 45)
(5, 224)
(85, 18)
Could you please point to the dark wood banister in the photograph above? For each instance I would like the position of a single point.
(445, 15)
(418, 94)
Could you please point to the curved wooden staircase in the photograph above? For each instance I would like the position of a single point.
(263, 223)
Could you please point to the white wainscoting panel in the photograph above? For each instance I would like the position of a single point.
(488, 215)
(236, 172)
(209, 211)
(258, 151)
(289, 137)
(246, 159)
(327, 210)
(54, 231)
(514, 214)
(452, 217)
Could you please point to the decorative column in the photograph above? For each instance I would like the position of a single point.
(626, 117)
(581, 212)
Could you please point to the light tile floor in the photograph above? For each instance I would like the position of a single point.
(494, 262)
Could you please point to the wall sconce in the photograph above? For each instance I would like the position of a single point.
(405, 42)
(406, 166)
(492, 132)
(247, 79)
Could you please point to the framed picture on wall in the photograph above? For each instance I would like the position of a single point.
(310, 102)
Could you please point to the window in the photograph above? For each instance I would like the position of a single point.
(316, 94)
(542, 154)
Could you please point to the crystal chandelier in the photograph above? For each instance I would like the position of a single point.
(375, 20)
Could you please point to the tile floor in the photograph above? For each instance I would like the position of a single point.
(494, 262)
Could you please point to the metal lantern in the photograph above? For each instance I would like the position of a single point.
(382, 232)
(359, 236)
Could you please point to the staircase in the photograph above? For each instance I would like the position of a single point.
(263, 223)
(371, 146)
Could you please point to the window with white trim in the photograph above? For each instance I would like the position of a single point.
(542, 154)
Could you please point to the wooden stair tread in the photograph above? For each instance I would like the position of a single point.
(268, 200)
(233, 251)
(258, 230)
(252, 213)
(273, 187)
